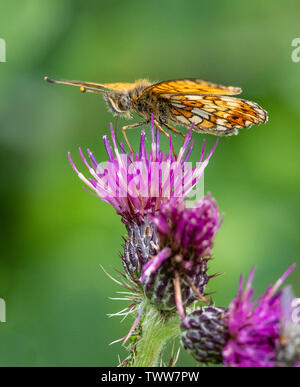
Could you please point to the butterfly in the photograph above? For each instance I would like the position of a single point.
(206, 107)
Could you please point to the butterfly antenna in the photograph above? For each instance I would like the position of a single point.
(83, 88)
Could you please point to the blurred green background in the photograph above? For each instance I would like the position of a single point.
(54, 235)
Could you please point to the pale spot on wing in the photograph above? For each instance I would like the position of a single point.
(196, 119)
(221, 128)
(220, 121)
(231, 102)
(200, 113)
(226, 98)
(183, 120)
(174, 97)
(179, 105)
(210, 110)
(194, 97)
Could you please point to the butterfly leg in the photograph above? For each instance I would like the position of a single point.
(166, 134)
(175, 130)
(137, 124)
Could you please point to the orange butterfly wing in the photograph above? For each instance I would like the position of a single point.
(207, 106)
(191, 86)
(220, 115)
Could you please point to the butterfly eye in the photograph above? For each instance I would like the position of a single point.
(124, 103)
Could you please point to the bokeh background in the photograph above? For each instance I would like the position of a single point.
(54, 235)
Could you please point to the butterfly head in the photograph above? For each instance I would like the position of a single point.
(118, 103)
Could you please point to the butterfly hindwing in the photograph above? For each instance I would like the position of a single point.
(215, 114)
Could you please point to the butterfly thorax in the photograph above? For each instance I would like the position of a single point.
(123, 102)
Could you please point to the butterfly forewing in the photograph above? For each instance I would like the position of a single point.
(191, 86)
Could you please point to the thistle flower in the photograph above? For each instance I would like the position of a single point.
(177, 274)
(259, 333)
(206, 334)
(137, 185)
(254, 326)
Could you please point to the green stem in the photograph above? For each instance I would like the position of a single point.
(157, 331)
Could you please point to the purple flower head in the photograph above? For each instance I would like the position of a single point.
(137, 185)
(190, 232)
(186, 239)
(206, 334)
(254, 326)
